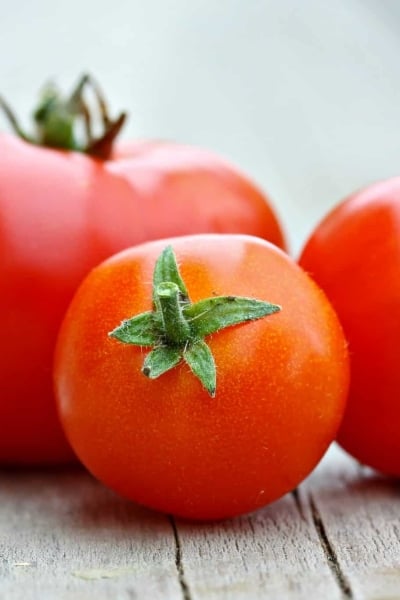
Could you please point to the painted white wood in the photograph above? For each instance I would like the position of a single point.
(274, 553)
(360, 513)
(305, 97)
(63, 536)
(338, 537)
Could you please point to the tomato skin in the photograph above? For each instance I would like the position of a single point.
(354, 255)
(281, 383)
(61, 213)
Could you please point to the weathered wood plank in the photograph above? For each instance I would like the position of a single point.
(274, 553)
(64, 536)
(357, 512)
(338, 536)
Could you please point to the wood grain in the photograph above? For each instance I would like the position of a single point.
(274, 553)
(305, 98)
(358, 512)
(64, 536)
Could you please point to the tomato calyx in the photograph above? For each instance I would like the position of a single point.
(175, 329)
(56, 119)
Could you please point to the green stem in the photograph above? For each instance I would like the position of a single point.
(176, 328)
(56, 119)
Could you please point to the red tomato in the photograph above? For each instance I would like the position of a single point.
(165, 442)
(61, 213)
(354, 255)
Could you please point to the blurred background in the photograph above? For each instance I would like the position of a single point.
(302, 95)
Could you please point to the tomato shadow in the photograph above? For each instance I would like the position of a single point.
(364, 486)
(71, 497)
(264, 526)
(372, 482)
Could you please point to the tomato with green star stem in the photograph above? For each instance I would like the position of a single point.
(205, 390)
(65, 205)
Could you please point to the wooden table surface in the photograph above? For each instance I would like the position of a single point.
(304, 97)
(66, 537)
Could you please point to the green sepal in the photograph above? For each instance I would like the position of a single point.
(58, 131)
(166, 270)
(160, 360)
(139, 331)
(55, 121)
(212, 314)
(176, 328)
(201, 362)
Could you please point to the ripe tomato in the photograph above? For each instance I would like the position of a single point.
(61, 213)
(165, 442)
(354, 255)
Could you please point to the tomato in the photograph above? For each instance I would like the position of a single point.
(166, 442)
(354, 254)
(61, 213)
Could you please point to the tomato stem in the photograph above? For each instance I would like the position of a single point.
(176, 327)
(57, 118)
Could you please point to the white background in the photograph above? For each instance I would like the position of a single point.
(303, 95)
